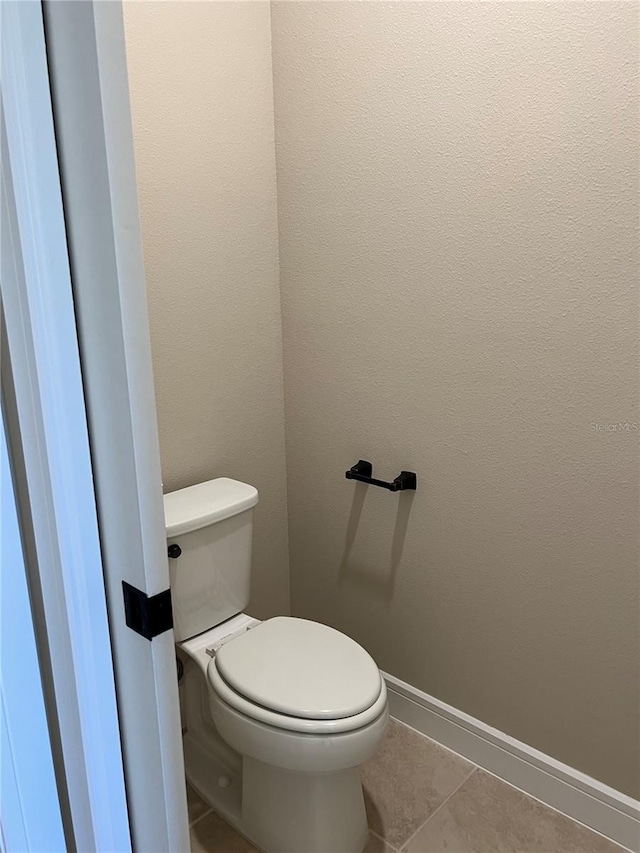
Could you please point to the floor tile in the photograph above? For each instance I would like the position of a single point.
(407, 780)
(377, 845)
(214, 835)
(196, 806)
(489, 816)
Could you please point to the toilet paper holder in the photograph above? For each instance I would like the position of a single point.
(362, 471)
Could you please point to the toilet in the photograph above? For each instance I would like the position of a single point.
(278, 715)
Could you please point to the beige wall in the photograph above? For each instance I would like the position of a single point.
(458, 210)
(202, 103)
(458, 192)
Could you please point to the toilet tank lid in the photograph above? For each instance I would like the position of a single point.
(206, 503)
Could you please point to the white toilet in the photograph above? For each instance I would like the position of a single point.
(278, 714)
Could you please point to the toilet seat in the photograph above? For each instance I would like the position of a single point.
(299, 675)
(303, 725)
(300, 668)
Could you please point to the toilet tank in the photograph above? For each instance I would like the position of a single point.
(212, 523)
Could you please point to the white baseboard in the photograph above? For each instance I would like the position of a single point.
(561, 787)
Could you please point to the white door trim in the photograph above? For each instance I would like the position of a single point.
(46, 422)
(565, 789)
(87, 61)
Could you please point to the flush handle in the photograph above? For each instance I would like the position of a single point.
(174, 551)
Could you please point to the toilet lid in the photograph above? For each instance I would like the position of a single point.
(300, 668)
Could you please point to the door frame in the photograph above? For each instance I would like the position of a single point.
(45, 420)
(66, 103)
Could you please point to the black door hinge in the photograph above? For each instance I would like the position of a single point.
(147, 615)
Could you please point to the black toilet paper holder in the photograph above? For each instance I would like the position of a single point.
(362, 471)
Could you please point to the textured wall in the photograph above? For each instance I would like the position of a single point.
(458, 210)
(202, 103)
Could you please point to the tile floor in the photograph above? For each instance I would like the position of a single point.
(422, 798)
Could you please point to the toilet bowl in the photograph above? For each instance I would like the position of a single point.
(300, 781)
(278, 715)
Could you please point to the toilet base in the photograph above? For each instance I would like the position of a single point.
(204, 772)
(287, 812)
(282, 811)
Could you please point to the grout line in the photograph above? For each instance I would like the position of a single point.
(504, 781)
(384, 841)
(202, 816)
(442, 804)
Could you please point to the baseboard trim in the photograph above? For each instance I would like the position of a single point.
(559, 786)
